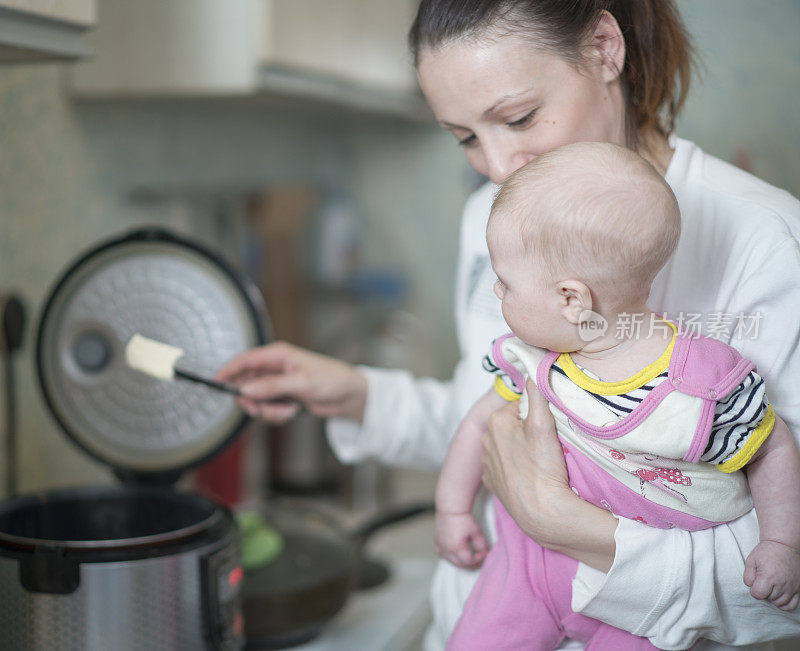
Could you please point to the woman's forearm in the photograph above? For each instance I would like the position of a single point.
(584, 532)
(407, 421)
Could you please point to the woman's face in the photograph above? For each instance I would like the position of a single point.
(507, 101)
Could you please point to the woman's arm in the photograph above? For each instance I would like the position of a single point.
(373, 413)
(524, 467)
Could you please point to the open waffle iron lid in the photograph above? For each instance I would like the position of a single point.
(166, 288)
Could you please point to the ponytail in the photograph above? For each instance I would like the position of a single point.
(658, 61)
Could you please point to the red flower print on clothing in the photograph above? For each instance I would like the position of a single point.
(647, 475)
(674, 476)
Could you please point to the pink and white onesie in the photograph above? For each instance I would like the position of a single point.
(663, 447)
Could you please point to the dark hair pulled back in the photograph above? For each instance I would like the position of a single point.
(658, 51)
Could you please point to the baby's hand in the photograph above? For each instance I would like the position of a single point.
(772, 572)
(459, 539)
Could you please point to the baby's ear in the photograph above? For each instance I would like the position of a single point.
(576, 298)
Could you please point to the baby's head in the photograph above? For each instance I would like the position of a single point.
(584, 227)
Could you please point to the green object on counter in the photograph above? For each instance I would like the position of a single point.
(261, 544)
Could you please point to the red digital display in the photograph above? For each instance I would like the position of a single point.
(235, 576)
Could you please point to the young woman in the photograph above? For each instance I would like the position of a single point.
(512, 79)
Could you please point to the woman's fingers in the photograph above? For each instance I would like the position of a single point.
(539, 415)
(272, 358)
(271, 387)
(505, 418)
(540, 426)
(271, 412)
(279, 372)
(523, 461)
(504, 428)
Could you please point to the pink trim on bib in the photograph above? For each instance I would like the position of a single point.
(504, 365)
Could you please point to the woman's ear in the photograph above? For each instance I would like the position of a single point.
(610, 46)
(575, 298)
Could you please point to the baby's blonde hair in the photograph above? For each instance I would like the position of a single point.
(594, 212)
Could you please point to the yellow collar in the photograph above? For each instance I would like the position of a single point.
(622, 386)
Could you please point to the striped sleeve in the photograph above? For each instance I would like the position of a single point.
(503, 383)
(742, 422)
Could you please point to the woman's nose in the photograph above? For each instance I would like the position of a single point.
(503, 159)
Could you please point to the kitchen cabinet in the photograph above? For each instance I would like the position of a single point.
(44, 30)
(351, 53)
(79, 12)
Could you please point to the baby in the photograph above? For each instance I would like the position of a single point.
(656, 425)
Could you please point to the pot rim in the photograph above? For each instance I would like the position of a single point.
(90, 492)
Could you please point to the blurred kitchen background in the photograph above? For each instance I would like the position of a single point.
(294, 125)
(313, 104)
(290, 135)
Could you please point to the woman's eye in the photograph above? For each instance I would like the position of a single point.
(468, 141)
(524, 121)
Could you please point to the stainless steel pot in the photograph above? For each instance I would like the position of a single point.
(118, 568)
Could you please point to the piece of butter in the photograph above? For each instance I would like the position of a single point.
(152, 357)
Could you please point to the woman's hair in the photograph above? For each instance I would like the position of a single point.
(658, 51)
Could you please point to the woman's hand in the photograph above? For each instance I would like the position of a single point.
(524, 466)
(276, 379)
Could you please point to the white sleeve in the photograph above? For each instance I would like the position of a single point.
(774, 293)
(407, 421)
(675, 586)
